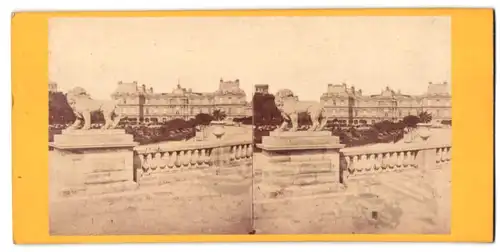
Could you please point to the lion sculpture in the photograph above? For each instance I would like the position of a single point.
(290, 108)
(83, 105)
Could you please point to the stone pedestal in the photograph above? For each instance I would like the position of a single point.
(294, 168)
(92, 162)
(299, 163)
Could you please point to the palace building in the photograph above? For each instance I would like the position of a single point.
(139, 103)
(53, 87)
(262, 88)
(349, 105)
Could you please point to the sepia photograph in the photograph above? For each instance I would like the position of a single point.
(354, 135)
(145, 135)
(250, 125)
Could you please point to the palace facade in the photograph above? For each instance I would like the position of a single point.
(52, 87)
(349, 105)
(140, 103)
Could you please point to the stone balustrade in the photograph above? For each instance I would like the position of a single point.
(196, 155)
(369, 160)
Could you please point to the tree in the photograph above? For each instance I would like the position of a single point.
(203, 119)
(265, 110)
(59, 110)
(219, 115)
(425, 117)
(244, 120)
(383, 126)
(411, 121)
(176, 124)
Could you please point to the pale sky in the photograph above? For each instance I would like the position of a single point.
(303, 54)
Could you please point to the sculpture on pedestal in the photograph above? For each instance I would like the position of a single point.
(290, 107)
(83, 105)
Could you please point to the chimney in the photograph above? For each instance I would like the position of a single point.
(120, 82)
(221, 80)
(237, 81)
(143, 87)
(151, 90)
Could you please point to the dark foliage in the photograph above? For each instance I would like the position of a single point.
(265, 111)
(244, 120)
(149, 135)
(425, 117)
(446, 122)
(203, 119)
(219, 115)
(59, 110)
(382, 132)
(411, 121)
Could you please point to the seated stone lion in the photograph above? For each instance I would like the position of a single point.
(83, 105)
(290, 108)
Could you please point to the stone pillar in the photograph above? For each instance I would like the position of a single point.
(427, 159)
(92, 162)
(294, 168)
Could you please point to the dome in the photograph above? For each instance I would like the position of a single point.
(178, 90)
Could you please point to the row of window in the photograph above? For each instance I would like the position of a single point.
(387, 112)
(178, 110)
(357, 103)
(203, 101)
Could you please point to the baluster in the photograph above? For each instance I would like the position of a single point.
(171, 156)
(142, 157)
(195, 157)
(406, 158)
(378, 161)
(240, 151)
(350, 163)
(444, 151)
(186, 159)
(364, 165)
(250, 151)
(414, 155)
(400, 159)
(154, 160)
(177, 159)
(234, 152)
(245, 151)
(202, 158)
(208, 157)
(385, 161)
(160, 161)
(164, 160)
(394, 160)
(358, 164)
(147, 163)
(438, 155)
(370, 162)
(448, 154)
